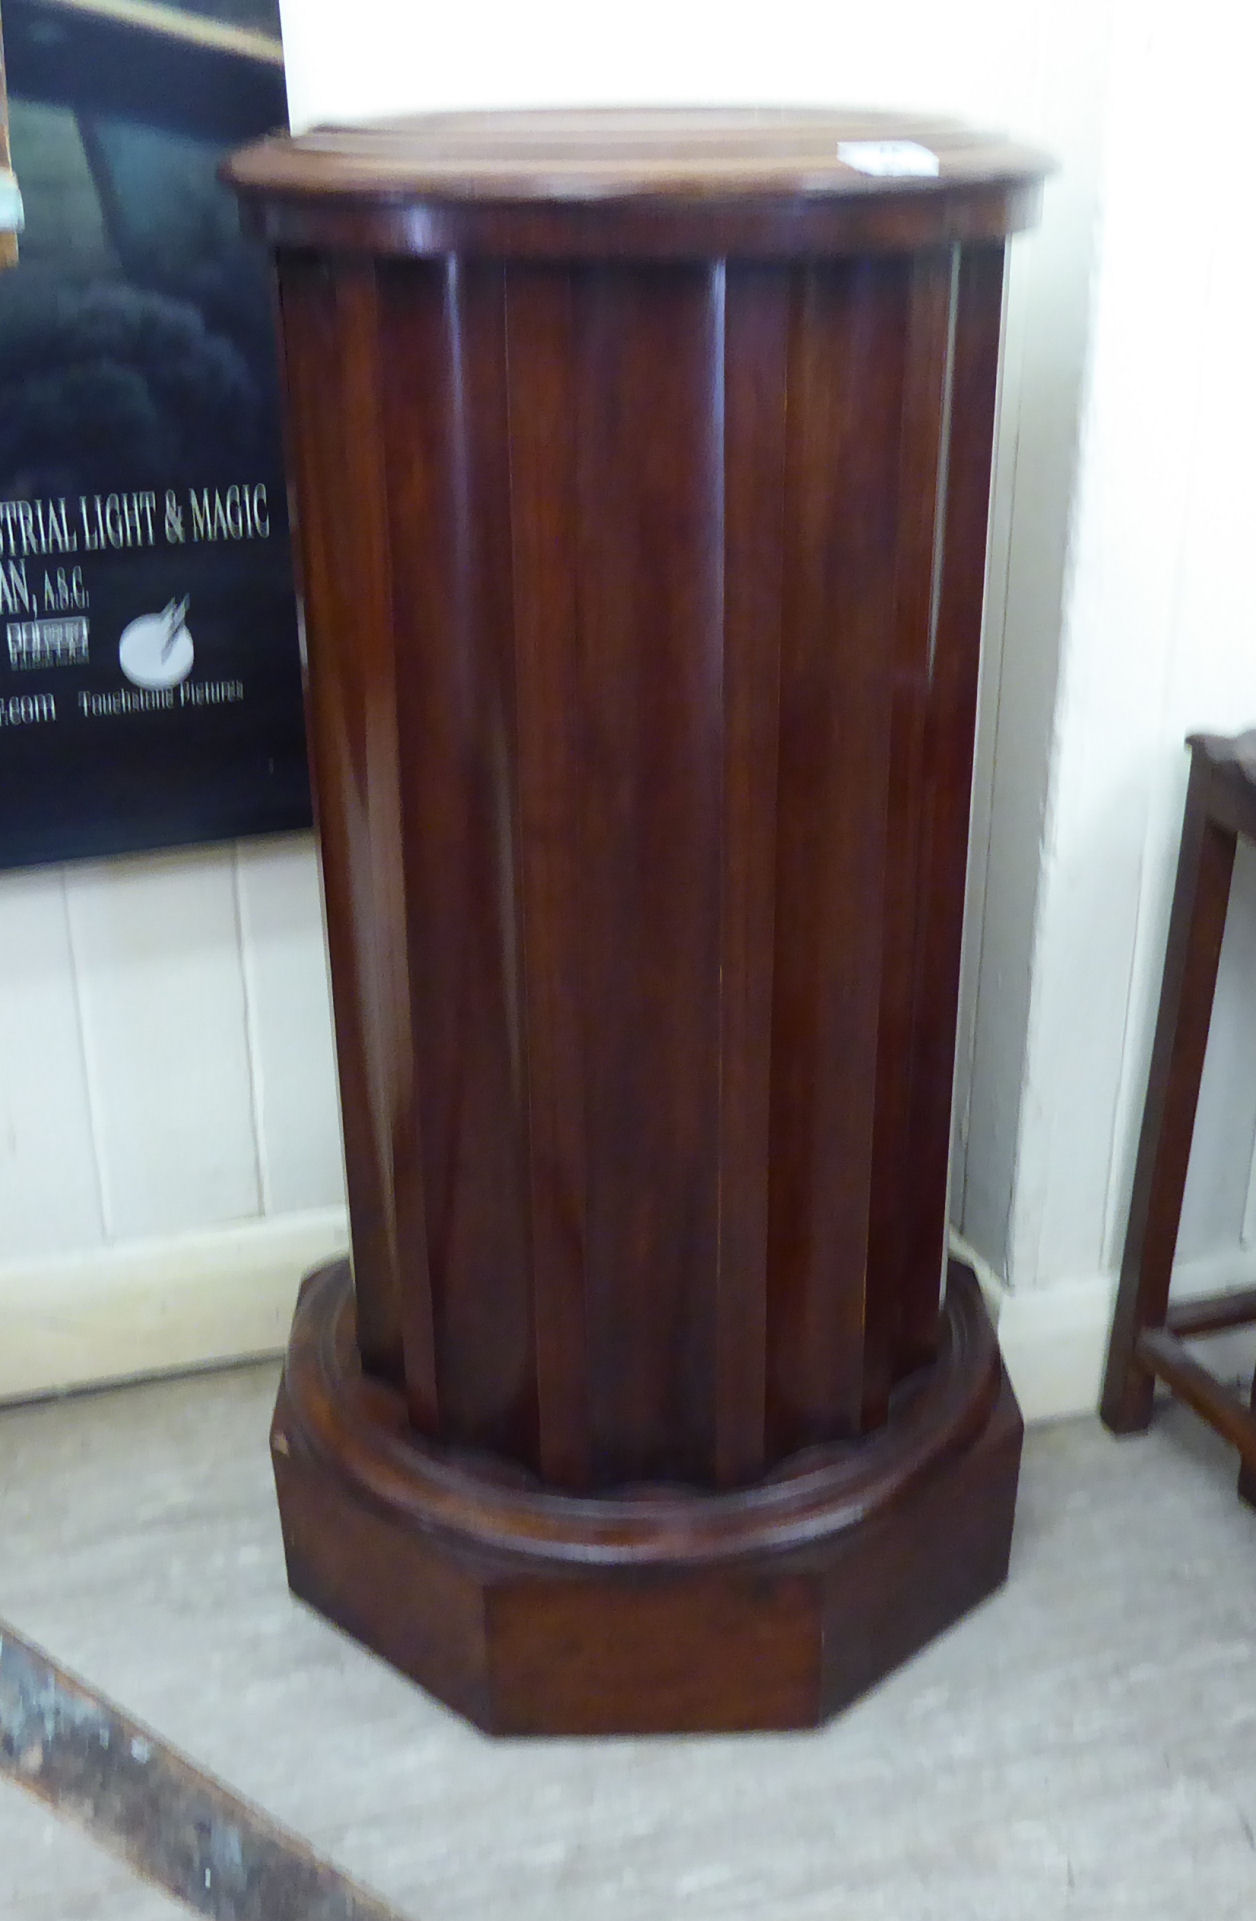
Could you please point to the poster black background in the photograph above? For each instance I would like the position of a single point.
(137, 353)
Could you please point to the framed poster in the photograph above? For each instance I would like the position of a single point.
(150, 687)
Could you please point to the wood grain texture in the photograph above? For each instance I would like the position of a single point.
(756, 333)
(755, 182)
(341, 560)
(552, 155)
(643, 691)
(444, 455)
(644, 541)
(649, 582)
(846, 372)
(552, 850)
(532, 1611)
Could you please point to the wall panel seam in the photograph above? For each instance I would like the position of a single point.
(252, 1041)
(95, 1122)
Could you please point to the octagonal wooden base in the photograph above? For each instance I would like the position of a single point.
(660, 1610)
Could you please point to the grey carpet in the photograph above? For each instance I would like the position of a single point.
(1084, 1745)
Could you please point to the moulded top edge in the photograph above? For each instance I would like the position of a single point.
(653, 155)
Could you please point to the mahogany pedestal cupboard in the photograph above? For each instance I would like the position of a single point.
(642, 468)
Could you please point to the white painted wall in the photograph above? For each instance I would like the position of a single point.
(1160, 639)
(169, 1136)
(166, 1047)
(167, 1117)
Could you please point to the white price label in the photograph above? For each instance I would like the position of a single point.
(890, 159)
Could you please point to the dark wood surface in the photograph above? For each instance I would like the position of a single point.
(660, 1608)
(1164, 1356)
(555, 154)
(642, 580)
(642, 702)
(1212, 1313)
(1147, 1333)
(764, 183)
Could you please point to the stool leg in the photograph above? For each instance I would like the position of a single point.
(1247, 1469)
(1196, 925)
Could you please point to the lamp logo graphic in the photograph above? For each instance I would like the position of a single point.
(156, 649)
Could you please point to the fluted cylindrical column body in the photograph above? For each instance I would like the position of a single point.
(642, 465)
(642, 625)
(642, 521)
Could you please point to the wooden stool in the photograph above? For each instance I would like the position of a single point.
(1147, 1333)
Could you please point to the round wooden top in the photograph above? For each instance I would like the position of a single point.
(616, 179)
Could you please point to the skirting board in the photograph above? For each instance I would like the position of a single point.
(227, 1294)
(160, 1306)
(1054, 1339)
